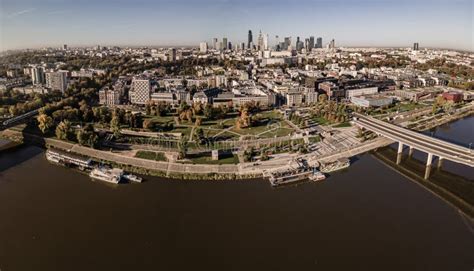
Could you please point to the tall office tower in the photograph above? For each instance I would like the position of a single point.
(219, 46)
(311, 43)
(242, 46)
(225, 43)
(57, 80)
(416, 46)
(319, 42)
(203, 47)
(297, 41)
(140, 91)
(37, 76)
(332, 44)
(260, 41)
(172, 56)
(265, 42)
(214, 44)
(306, 44)
(229, 45)
(287, 43)
(65, 47)
(250, 40)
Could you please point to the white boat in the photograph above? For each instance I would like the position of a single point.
(132, 178)
(317, 176)
(335, 166)
(113, 175)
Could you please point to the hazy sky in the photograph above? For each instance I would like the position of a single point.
(433, 23)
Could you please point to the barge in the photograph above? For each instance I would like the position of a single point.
(290, 175)
(339, 164)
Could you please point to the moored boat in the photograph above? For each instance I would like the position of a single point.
(132, 178)
(113, 175)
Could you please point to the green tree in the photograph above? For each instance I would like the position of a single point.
(45, 123)
(64, 130)
(87, 136)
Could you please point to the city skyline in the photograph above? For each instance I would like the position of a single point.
(26, 24)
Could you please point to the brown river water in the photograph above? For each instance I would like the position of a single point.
(368, 217)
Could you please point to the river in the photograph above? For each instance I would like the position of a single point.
(368, 217)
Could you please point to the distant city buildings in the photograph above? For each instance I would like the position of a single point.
(416, 46)
(203, 47)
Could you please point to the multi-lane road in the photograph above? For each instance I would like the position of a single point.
(434, 146)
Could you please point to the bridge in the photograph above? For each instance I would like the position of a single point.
(414, 140)
(18, 119)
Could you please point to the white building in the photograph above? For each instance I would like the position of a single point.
(109, 97)
(140, 91)
(57, 80)
(203, 47)
(361, 91)
(37, 76)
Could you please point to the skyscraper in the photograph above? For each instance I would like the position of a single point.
(203, 47)
(214, 44)
(319, 42)
(225, 44)
(265, 42)
(311, 43)
(416, 46)
(260, 41)
(250, 40)
(287, 43)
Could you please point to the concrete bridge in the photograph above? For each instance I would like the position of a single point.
(18, 119)
(414, 140)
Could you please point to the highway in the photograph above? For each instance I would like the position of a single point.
(437, 147)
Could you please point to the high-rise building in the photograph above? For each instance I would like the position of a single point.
(203, 47)
(265, 42)
(332, 44)
(242, 46)
(37, 76)
(214, 43)
(65, 47)
(416, 46)
(109, 97)
(250, 40)
(57, 80)
(225, 43)
(172, 55)
(311, 43)
(319, 43)
(287, 43)
(140, 91)
(260, 41)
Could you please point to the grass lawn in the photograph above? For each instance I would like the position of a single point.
(343, 125)
(321, 120)
(208, 160)
(150, 155)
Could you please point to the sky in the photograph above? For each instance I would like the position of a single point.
(384, 23)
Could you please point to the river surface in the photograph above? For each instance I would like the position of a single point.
(366, 218)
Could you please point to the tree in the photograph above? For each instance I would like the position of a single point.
(198, 122)
(115, 125)
(323, 98)
(45, 123)
(64, 130)
(87, 136)
(148, 124)
(183, 147)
